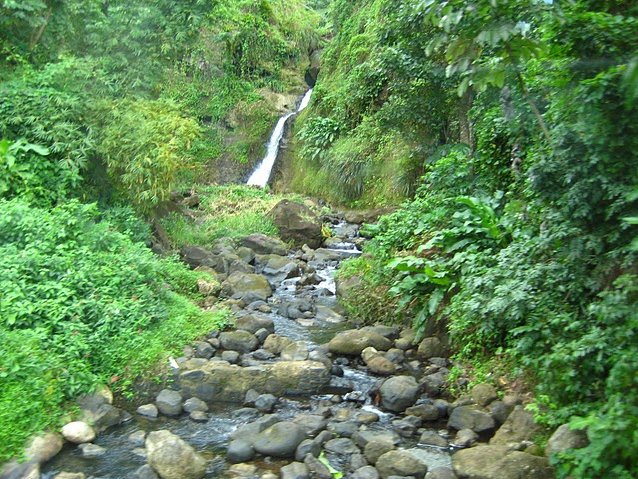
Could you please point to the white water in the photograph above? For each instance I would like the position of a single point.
(261, 175)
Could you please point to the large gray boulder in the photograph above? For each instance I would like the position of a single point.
(297, 224)
(172, 458)
(519, 426)
(400, 463)
(247, 287)
(399, 393)
(470, 417)
(262, 244)
(499, 462)
(240, 340)
(354, 341)
(565, 438)
(279, 440)
(169, 402)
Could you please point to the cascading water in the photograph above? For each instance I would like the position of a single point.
(261, 175)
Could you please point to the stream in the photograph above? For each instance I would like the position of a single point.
(122, 457)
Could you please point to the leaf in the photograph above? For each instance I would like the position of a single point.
(435, 300)
(336, 474)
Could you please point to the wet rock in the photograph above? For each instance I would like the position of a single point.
(240, 450)
(354, 341)
(145, 472)
(44, 447)
(362, 438)
(262, 244)
(252, 324)
(565, 438)
(247, 432)
(483, 394)
(276, 344)
(247, 287)
(329, 315)
(377, 448)
(169, 402)
(240, 341)
(312, 424)
(499, 462)
(295, 470)
(317, 469)
(381, 366)
(399, 393)
(195, 404)
(265, 403)
(426, 412)
(431, 438)
(365, 472)
(406, 427)
(148, 410)
(172, 458)
(279, 440)
(242, 471)
(519, 426)
(469, 417)
(343, 429)
(465, 438)
(297, 223)
(91, 450)
(17, 470)
(430, 347)
(441, 473)
(198, 416)
(400, 463)
(279, 268)
(78, 432)
(64, 475)
(297, 351)
(341, 446)
(138, 438)
(307, 446)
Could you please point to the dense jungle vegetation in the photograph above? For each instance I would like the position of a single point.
(512, 129)
(105, 109)
(506, 131)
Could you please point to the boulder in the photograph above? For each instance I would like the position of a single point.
(354, 341)
(295, 470)
(297, 351)
(297, 224)
(44, 447)
(365, 472)
(172, 458)
(276, 344)
(169, 402)
(519, 426)
(399, 393)
(262, 244)
(565, 438)
(239, 451)
(78, 432)
(316, 468)
(145, 472)
(195, 256)
(432, 438)
(247, 287)
(252, 324)
(469, 417)
(148, 410)
(400, 463)
(195, 404)
(341, 445)
(441, 473)
(279, 440)
(430, 348)
(426, 412)
(279, 268)
(499, 462)
(240, 341)
(483, 394)
(377, 448)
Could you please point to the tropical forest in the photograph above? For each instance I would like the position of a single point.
(318, 239)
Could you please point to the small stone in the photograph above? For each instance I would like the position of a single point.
(195, 404)
(377, 448)
(91, 450)
(169, 402)
(231, 356)
(400, 463)
(198, 416)
(78, 432)
(365, 472)
(265, 403)
(465, 438)
(204, 350)
(483, 394)
(148, 410)
(432, 438)
(137, 438)
(145, 472)
(295, 470)
(240, 450)
(140, 451)
(69, 475)
(341, 446)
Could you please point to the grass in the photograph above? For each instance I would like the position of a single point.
(225, 211)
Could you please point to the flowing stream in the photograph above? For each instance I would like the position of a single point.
(261, 175)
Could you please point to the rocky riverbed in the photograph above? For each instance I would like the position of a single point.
(292, 392)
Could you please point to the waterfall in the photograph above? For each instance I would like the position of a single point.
(261, 175)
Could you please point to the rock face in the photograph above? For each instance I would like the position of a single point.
(221, 381)
(297, 223)
(354, 341)
(499, 462)
(247, 286)
(78, 432)
(279, 440)
(172, 458)
(399, 393)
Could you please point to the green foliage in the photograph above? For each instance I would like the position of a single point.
(145, 144)
(87, 304)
